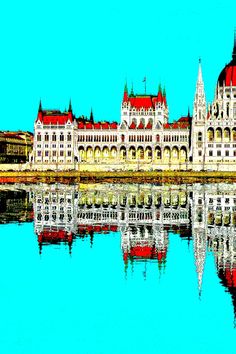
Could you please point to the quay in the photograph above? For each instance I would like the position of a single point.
(117, 177)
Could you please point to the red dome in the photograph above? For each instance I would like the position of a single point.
(227, 76)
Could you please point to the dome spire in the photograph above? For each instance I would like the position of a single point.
(234, 49)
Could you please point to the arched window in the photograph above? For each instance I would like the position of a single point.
(69, 137)
(210, 134)
(227, 109)
(199, 137)
(38, 137)
(46, 137)
(54, 137)
(61, 137)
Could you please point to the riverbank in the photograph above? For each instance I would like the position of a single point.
(116, 177)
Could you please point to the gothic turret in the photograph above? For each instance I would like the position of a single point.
(199, 109)
(198, 123)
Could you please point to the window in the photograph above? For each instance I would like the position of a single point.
(218, 153)
(69, 137)
(39, 153)
(200, 136)
(39, 137)
(68, 153)
(46, 137)
(54, 153)
(46, 153)
(61, 137)
(53, 137)
(226, 152)
(199, 153)
(210, 153)
(234, 152)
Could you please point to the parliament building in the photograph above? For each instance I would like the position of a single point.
(144, 140)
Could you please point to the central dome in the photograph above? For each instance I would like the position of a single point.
(227, 76)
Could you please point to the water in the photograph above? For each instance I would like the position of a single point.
(117, 269)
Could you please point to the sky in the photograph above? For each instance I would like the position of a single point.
(57, 50)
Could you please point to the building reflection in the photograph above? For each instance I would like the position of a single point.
(144, 215)
(15, 206)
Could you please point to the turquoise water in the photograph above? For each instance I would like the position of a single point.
(117, 269)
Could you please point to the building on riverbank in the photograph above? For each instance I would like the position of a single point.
(144, 139)
(15, 147)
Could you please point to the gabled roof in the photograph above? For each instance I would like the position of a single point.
(182, 123)
(54, 117)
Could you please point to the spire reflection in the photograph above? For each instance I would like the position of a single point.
(144, 215)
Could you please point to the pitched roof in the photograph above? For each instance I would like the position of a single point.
(54, 117)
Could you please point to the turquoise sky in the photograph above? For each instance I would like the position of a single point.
(85, 50)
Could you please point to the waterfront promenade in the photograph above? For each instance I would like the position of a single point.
(117, 176)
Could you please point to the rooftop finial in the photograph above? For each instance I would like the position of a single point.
(70, 107)
(91, 119)
(234, 49)
(132, 90)
(40, 106)
(188, 112)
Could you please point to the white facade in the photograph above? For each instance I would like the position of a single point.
(144, 139)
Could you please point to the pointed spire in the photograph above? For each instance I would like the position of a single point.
(40, 106)
(164, 92)
(159, 95)
(199, 108)
(91, 119)
(200, 243)
(126, 95)
(70, 107)
(234, 49)
(132, 90)
(199, 77)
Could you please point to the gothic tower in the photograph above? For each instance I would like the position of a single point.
(198, 123)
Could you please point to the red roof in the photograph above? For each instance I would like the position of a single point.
(159, 97)
(132, 126)
(140, 126)
(148, 252)
(12, 135)
(149, 126)
(105, 125)
(125, 97)
(113, 125)
(54, 235)
(98, 125)
(182, 123)
(54, 117)
(141, 102)
(81, 125)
